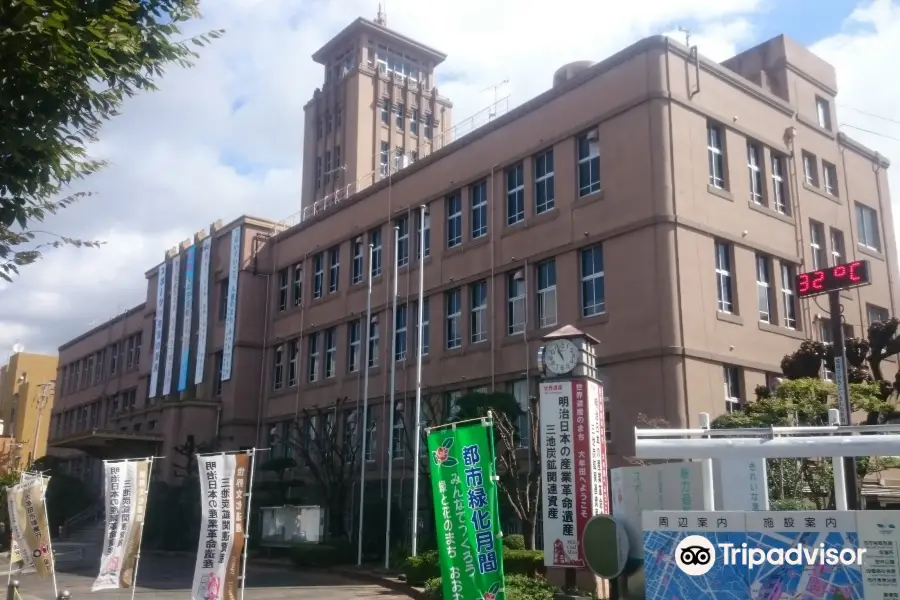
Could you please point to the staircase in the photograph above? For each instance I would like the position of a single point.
(81, 537)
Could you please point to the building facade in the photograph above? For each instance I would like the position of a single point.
(658, 201)
(26, 401)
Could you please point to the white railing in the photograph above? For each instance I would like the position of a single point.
(444, 138)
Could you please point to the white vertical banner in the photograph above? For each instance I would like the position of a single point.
(224, 483)
(173, 325)
(234, 270)
(203, 311)
(158, 328)
(187, 317)
(126, 486)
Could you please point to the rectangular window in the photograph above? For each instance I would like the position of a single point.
(398, 437)
(754, 160)
(788, 278)
(837, 247)
(876, 314)
(330, 352)
(401, 116)
(588, 146)
(385, 111)
(715, 149)
(298, 284)
(113, 359)
(403, 241)
(375, 240)
(515, 194)
(129, 355)
(544, 191)
(426, 330)
(817, 245)
(593, 289)
(371, 438)
(823, 113)
(283, 289)
(724, 283)
(779, 191)
(223, 299)
(829, 171)
(427, 243)
(867, 227)
(810, 169)
(353, 341)
(515, 302)
(764, 287)
(478, 196)
(429, 126)
(384, 157)
(327, 174)
(453, 333)
(414, 122)
(478, 316)
(137, 349)
(278, 368)
(400, 332)
(293, 362)
(454, 220)
(334, 269)
(546, 293)
(356, 275)
(312, 371)
(318, 275)
(732, 388)
(374, 338)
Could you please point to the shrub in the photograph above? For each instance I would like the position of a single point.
(514, 542)
(419, 569)
(518, 587)
(523, 562)
(319, 555)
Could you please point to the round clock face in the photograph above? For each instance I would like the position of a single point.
(560, 356)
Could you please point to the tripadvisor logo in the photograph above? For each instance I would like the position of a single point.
(695, 555)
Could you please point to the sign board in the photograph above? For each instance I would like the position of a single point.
(601, 533)
(741, 484)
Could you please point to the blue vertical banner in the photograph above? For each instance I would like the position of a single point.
(173, 325)
(203, 310)
(158, 328)
(234, 270)
(187, 315)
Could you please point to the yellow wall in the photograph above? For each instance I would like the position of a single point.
(20, 403)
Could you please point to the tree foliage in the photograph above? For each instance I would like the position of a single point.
(67, 66)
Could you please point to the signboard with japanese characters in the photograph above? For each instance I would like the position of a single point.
(31, 522)
(464, 482)
(573, 444)
(879, 534)
(224, 481)
(126, 484)
(741, 484)
(16, 555)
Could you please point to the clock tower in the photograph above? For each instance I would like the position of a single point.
(568, 352)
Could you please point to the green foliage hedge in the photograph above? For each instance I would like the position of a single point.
(419, 569)
(320, 555)
(514, 542)
(518, 587)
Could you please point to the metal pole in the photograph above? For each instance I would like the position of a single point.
(840, 491)
(840, 379)
(365, 415)
(419, 342)
(49, 545)
(709, 490)
(247, 521)
(389, 426)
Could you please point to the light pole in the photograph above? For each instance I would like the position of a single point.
(47, 390)
(419, 342)
(365, 415)
(389, 425)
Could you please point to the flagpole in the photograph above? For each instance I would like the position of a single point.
(389, 425)
(419, 343)
(247, 521)
(49, 544)
(365, 415)
(137, 559)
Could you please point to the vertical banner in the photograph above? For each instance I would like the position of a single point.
(231, 308)
(223, 486)
(187, 316)
(158, 328)
(173, 325)
(31, 521)
(126, 485)
(203, 309)
(465, 510)
(573, 444)
(17, 543)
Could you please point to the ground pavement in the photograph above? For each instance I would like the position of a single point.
(169, 578)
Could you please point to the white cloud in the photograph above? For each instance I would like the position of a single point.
(177, 157)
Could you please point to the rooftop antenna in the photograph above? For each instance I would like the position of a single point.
(492, 111)
(381, 19)
(687, 35)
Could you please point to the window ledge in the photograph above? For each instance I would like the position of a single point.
(729, 318)
(815, 190)
(869, 252)
(593, 319)
(590, 198)
(720, 192)
(760, 208)
(816, 127)
(791, 333)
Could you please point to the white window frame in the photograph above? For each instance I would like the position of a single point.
(545, 274)
(371, 437)
(789, 298)
(330, 352)
(359, 263)
(764, 288)
(732, 388)
(454, 220)
(867, 232)
(374, 339)
(319, 275)
(403, 241)
(515, 194)
(519, 390)
(293, 361)
(426, 323)
(278, 368)
(478, 201)
(334, 269)
(354, 345)
(516, 291)
(453, 319)
(810, 172)
(427, 221)
(589, 161)
(298, 284)
(400, 328)
(817, 245)
(724, 278)
(375, 239)
(838, 246)
(478, 301)
(312, 365)
(284, 285)
(829, 175)
(715, 149)
(588, 281)
(398, 435)
(780, 202)
(754, 161)
(544, 184)
(823, 113)
(874, 313)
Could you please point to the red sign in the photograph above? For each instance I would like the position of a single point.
(840, 277)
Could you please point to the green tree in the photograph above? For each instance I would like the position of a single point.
(66, 67)
(520, 480)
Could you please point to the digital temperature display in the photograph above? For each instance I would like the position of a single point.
(840, 277)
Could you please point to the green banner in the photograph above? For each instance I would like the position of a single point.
(465, 510)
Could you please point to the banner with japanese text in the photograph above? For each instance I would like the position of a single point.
(468, 520)
(16, 555)
(126, 485)
(223, 488)
(28, 514)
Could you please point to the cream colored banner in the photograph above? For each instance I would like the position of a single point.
(13, 499)
(31, 517)
(126, 486)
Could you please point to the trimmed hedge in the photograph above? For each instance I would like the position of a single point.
(514, 541)
(320, 555)
(419, 569)
(518, 587)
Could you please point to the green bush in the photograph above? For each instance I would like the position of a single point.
(518, 587)
(319, 555)
(419, 569)
(514, 541)
(523, 562)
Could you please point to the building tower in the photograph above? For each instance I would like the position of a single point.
(377, 110)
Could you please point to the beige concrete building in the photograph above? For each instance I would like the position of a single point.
(657, 200)
(26, 400)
